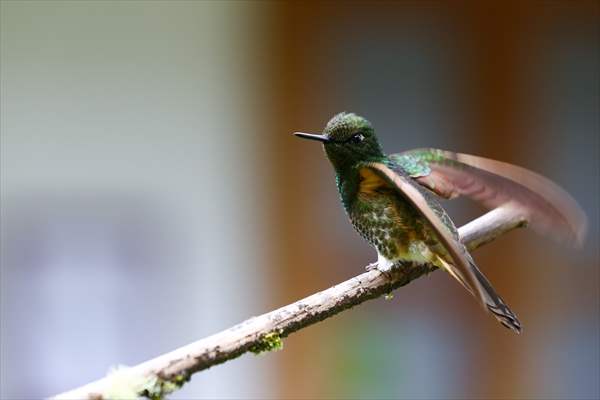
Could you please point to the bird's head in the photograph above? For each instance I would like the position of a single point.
(347, 139)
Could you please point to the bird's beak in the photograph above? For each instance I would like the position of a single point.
(310, 136)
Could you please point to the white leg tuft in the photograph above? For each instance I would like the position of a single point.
(383, 264)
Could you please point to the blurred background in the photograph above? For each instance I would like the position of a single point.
(152, 192)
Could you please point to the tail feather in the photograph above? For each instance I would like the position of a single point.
(495, 305)
(492, 302)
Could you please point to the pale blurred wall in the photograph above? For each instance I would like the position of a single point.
(131, 217)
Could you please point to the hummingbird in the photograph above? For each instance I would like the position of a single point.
(392, 201)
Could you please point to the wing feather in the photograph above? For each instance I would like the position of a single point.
(548, 208)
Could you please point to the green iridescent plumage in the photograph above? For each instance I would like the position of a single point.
(390, 202)
(413, 164)
(384, 219)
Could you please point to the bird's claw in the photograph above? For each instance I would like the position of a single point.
(387, 274)
(372, 266)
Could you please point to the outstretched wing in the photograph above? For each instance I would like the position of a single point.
(462, 266)
(547, 207)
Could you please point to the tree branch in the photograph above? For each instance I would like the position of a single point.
(168, 372)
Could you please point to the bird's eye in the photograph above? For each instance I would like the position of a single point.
(359, 137)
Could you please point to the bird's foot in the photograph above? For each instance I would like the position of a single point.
(384, 267)
(372, 266)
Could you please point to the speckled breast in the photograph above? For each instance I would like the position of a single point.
(387, 223)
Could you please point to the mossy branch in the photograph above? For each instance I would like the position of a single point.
(157, 377)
